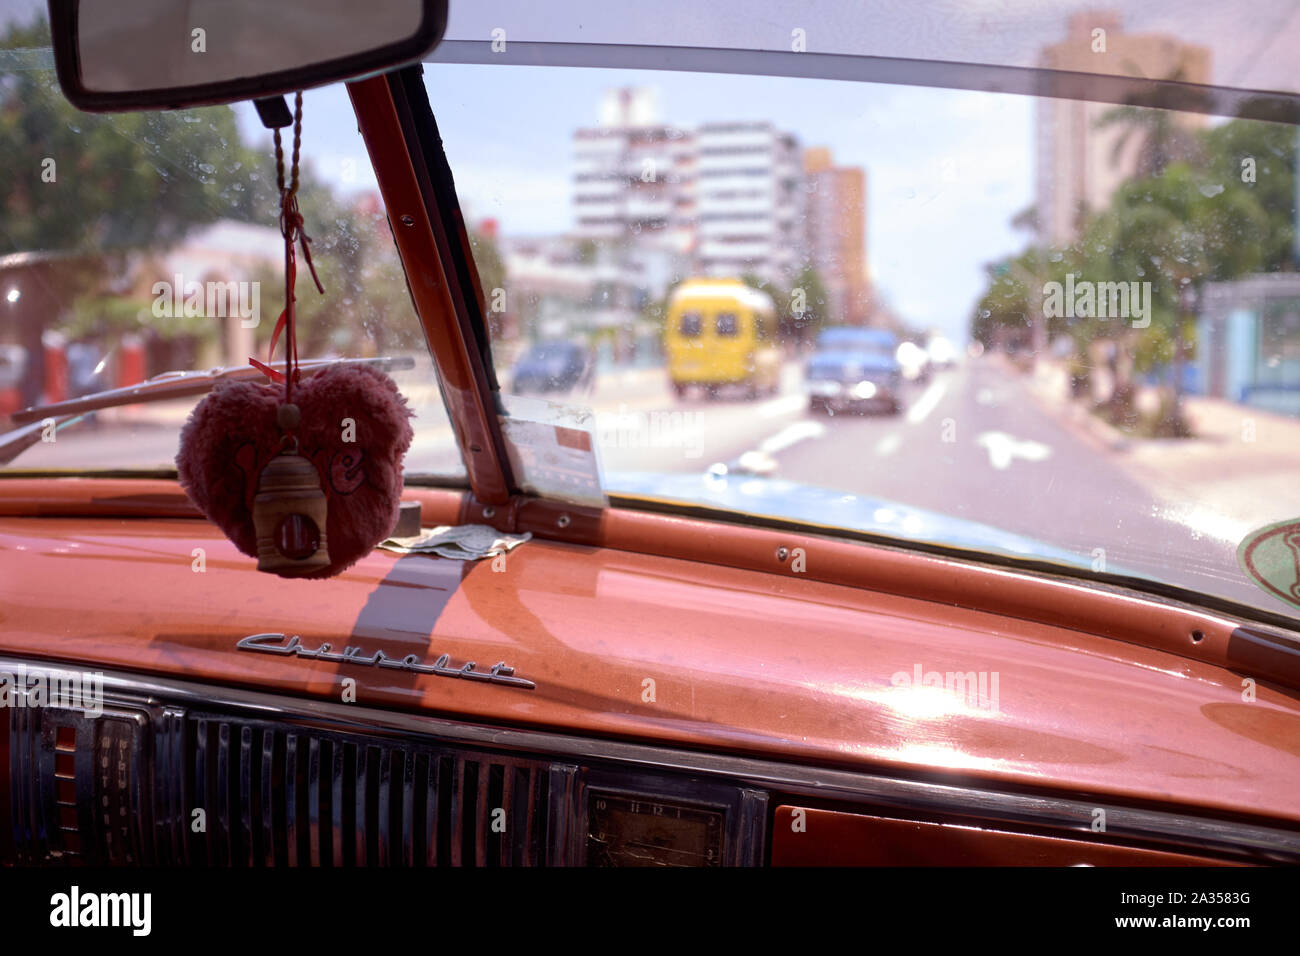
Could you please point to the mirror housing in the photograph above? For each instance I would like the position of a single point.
(174, 54)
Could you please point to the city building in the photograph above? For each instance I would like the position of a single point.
(655, 203)
(837, 234)
(634, 214)
(724, 199)
(1079, 163)
(750, 212)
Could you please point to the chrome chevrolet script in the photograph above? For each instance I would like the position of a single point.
(275, 644)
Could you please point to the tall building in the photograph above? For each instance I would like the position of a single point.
(836, 233)
(724, 199)
(1078, 165)
(632, 175)
(633, 198)
(654, 203)
(749, 201)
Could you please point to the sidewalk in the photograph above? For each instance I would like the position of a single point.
(1239, 472)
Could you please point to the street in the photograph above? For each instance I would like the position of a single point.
(975, 443)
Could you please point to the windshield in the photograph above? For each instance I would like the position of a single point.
(1049, 328)
(1024, 326)
(138, 244)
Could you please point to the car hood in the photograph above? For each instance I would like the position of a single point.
(779, 498)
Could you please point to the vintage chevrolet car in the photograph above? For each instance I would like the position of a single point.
(899, 648)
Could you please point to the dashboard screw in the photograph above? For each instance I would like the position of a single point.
(562, 521)
(782, 553)
(408, 220)
(489, 512)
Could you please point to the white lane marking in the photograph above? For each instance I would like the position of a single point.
(888, 445)
(924, 405)
(792, 435)
(782, 406)
(1003, 448)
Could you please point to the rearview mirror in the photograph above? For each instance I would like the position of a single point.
(170, 54)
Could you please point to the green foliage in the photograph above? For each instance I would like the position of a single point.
(119, 182)
(128, 186)
(1187, 217)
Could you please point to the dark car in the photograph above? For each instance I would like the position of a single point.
(552, 367)
(854, 369)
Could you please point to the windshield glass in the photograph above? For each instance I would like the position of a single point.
(1042, 328)
(142, 243)
(1054, 329)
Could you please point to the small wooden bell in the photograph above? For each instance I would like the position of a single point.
(289, 511)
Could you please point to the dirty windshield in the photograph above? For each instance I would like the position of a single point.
(1048, 328)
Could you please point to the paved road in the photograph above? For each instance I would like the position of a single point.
(974, 443)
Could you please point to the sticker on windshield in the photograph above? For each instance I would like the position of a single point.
(552, 451)
(1271, 557)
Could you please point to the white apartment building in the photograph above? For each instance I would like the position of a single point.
(749, 200)
(724, 199)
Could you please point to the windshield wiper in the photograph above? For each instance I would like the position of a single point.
(160, 388)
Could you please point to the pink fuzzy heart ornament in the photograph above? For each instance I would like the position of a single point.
(232, 434)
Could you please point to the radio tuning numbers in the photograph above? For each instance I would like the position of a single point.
(626, 831)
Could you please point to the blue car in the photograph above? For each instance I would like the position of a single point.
(854, 369)
(552, 367)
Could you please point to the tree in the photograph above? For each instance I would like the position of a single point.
(1161, 138)
(1172, 231)
(93, 191)
(1204, 206)
(103, 183)
(1259, 159)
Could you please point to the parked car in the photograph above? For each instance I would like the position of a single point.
(553, 367)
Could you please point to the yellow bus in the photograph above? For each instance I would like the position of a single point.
(720, 333)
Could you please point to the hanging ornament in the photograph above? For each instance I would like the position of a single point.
(269, 466)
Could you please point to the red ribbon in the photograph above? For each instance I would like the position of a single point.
(291, 227)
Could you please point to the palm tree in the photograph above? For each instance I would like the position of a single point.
(1163, 139)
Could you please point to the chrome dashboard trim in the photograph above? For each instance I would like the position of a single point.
(1071, 818)
(277, 643)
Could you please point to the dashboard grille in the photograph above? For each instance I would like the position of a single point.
(277, 796)
(186, 788)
